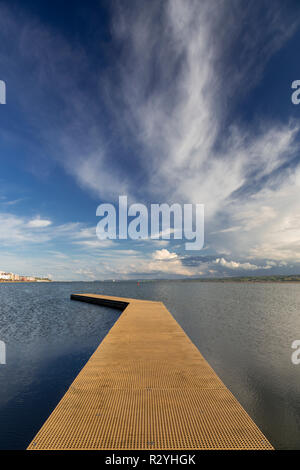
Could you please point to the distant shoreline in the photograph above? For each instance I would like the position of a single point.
(254, 279)
(246, 279)
(242, 280)
(18, 282)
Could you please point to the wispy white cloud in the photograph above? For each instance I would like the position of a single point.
(19, 230)
(13, 202)
(94, 244)
(15, 230)
(180, 120)
(39, 223)
(269, 222)
(240, 266)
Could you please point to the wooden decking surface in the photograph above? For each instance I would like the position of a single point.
(147, 387)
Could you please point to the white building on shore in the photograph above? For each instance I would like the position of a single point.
(4, 276)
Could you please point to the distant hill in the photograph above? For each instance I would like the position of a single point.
(274, 278)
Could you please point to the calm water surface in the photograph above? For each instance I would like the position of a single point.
(245, 332)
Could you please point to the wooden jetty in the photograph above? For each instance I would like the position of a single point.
(147, 387)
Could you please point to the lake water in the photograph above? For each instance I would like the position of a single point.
(245, 332)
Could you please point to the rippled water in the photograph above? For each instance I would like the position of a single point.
(245, 332)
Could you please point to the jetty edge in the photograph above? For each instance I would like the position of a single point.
(147, 387)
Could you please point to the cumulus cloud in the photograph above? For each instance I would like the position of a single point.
(164, 255)
(161, 267)
(236, 265)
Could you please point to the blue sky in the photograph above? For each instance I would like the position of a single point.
(162, 101)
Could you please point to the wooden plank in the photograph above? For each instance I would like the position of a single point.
(147, 387)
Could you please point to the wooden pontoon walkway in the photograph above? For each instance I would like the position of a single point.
(147, 387)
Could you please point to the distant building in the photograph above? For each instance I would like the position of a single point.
(4, 276)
